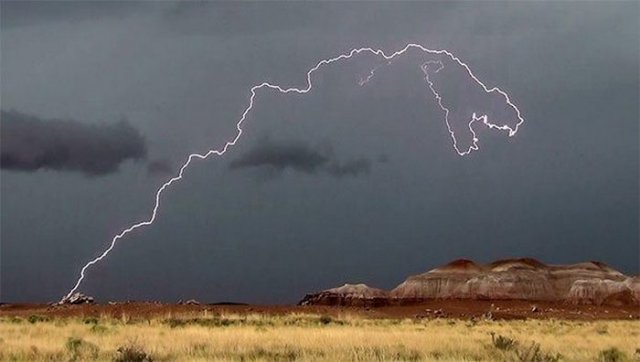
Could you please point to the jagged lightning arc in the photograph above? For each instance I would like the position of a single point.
(307, 88)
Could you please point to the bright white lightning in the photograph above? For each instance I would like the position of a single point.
(307, 88)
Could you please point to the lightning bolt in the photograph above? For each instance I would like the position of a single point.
(306, 89)
(474, 144)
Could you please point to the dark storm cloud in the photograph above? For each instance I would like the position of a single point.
(159, 167)
(299, 157)
(30, 143)
(294, 155)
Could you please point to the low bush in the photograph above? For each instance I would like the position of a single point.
(325, 319)
(90, 320)
(132, 352)
(611, 355)
(531, 353)
(534, 354)
(502, 343)
(35, 318)
(80, 349)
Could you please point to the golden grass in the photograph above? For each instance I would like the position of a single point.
(308, 338)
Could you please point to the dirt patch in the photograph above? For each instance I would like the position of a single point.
(460, 309)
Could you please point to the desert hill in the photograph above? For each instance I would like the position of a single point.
(349, 294)
(509, 279)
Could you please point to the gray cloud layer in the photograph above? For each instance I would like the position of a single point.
(299, 157)
(27, 13)
(159, 167)
(30, 143)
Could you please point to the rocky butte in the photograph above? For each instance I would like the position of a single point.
(510, 279)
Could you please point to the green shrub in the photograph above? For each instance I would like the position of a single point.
(80, 349)
(132, 353)
(534, 354)
(90, 320)
(325, 319)
(35, 318)
(612, 355)
(502, 343)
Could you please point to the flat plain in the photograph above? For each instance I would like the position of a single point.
(444, 331)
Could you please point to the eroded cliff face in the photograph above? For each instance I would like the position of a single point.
(514, 279)
(634, 285)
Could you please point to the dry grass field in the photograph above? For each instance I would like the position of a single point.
(208, 336)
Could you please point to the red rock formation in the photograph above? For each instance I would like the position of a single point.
(564, 277)
(442, 282)
(633, 283)
(513, 279)
(504, 279)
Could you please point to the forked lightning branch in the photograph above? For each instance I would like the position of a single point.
(431, 66)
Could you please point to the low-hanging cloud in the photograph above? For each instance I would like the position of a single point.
(159, 167)
(30, 143)
(299, 157)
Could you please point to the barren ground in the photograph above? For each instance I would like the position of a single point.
(461, 309)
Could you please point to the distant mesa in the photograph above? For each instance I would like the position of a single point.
(188, 302)
(360, 295)
(527, 279)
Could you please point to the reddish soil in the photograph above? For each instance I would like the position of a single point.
(461, 309)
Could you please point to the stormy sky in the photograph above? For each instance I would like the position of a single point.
(103, 101)
(30, 144)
